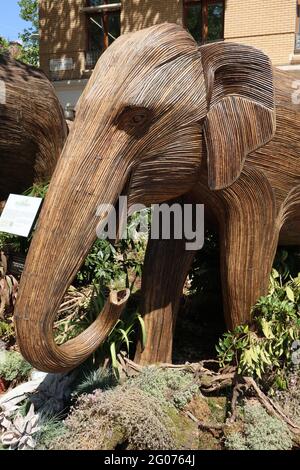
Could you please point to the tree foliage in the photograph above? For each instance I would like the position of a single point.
(30, 51)
(29, 12)
(270, 345)
(4, 45)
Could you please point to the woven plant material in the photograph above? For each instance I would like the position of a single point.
(32, 127)
(8, 287)
(161, 118)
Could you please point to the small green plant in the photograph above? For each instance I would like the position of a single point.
(123, 335)
(169, 387)
(112, 266)
(15, 243)
(37, 190)
(14, 368)
(100, 265)
(266, 344)
(101, 379)
(7, 331)
(51, 429)
(260, 431)
(4, 45)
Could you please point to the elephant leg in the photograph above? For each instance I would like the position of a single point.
(166, 267)
(249, 232)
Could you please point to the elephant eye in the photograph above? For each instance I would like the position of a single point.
(134, 120)
(139, 118)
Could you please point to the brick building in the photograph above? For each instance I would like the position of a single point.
(74, 33)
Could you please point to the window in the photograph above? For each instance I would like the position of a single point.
(297, 41)
(205, 19)
(103, 28)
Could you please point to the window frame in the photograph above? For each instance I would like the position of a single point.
(204, 16)
(106, 16)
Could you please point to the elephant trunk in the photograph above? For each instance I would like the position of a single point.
(65, 233)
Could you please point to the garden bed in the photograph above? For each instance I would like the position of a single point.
(241, 395)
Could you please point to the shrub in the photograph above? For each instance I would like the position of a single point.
(289, 399)
(236, 441)
(143, 413)
(261, 432)
(116, 266)
(14, 367)
(102, 379)
(7, 331)
(169, 387)
(50, 431)
(266, 344)
(107, 419)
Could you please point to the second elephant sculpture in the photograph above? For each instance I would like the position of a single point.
(32, 127)
(162, 118)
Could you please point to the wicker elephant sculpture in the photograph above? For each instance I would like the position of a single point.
(162, 118)
(32, 127)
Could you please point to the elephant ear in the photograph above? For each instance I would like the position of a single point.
(241, 108)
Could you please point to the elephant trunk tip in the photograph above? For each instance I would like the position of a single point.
(47, 356)
(119, 297)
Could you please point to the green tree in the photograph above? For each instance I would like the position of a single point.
(3, 45)
(29, 11)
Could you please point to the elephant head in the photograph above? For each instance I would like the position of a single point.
(156, 112)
